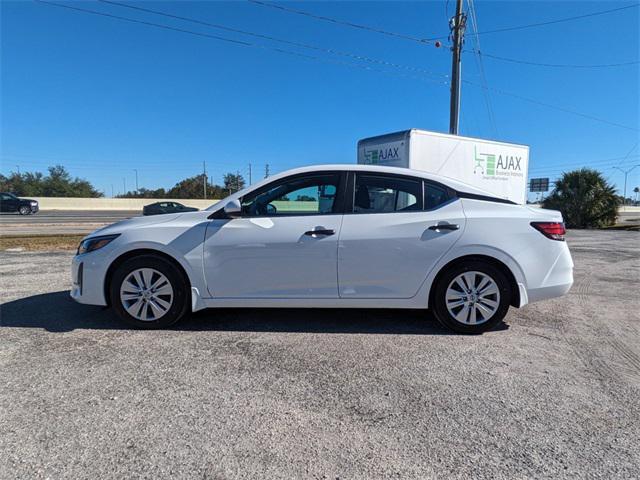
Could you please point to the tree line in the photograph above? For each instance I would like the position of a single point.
(585, 198)
(58, 182)
(193, 187)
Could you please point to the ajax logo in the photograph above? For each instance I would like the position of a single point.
(490, 164)
(377, 155)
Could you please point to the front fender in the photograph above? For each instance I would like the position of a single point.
(185, 246)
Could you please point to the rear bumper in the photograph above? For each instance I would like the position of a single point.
(557, 281)
(545, 293)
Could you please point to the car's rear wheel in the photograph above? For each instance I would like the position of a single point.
(24, 210)
(149, 292)
(471, 297)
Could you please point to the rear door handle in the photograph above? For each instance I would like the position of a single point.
(445, 226)
(320, 231)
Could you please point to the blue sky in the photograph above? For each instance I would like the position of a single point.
(103, 96)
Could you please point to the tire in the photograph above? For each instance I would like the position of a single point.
(160, 306)
(481, 309)
(24, 210)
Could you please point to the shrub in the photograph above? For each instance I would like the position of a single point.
(585, 199)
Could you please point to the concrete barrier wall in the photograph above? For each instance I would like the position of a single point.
(630, 209)
(625, 208)
(65, 203)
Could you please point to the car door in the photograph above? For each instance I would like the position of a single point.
(285, 243)
(164, 207)
(8, 203)
(397, 229)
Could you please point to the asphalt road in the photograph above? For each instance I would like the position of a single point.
(552, 393)
(55, 222)
(61, 221)
(63, 216)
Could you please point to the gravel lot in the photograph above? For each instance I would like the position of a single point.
(554, 392)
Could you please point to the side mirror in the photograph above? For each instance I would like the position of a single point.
(233, 209)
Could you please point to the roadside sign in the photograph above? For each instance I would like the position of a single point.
(539, 185)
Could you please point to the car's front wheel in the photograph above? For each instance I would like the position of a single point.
(471, 297)
(149, 292)
(24, 210)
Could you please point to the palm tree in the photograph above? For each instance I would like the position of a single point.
(585, 199)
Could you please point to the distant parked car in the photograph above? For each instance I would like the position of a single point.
(166, 207)
(24, 206)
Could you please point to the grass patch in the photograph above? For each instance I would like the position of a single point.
(40, 242)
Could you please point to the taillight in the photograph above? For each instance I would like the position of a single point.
(552, 230)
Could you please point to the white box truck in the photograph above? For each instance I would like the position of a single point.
(496, 167)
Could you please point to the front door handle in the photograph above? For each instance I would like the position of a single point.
(445, 226)
(320, 231)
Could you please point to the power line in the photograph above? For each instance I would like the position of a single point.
(561, 65)
(605, 162)
(554, 107)
(480, 64)
(629, 152)
(312, 57)
(342, 22)
(239, 42)
(142, 22)
(475, 34)
(92, 161)
(442, 37)
(274, 39)
(549, 22)
(558, 172)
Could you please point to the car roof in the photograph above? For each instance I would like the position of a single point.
(450, 182)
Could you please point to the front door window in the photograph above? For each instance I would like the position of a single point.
(302, 195)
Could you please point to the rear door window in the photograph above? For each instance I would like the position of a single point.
(435, 195)
(386, 194)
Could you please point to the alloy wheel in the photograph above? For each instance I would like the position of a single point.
(146, 294)
(472, 298)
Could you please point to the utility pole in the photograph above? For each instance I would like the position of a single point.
(124, 186)
(237, 180)
(112, 194)
(626, 173)
(136, 170)
(457, 25)
(250, 174)
(204, 179)
(266, 170)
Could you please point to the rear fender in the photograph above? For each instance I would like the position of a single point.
(475, 250)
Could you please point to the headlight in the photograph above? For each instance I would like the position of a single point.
(33, 204)
(95, 243)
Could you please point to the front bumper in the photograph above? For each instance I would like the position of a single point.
(87, 281)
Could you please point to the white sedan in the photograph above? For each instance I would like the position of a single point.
(336, 236)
